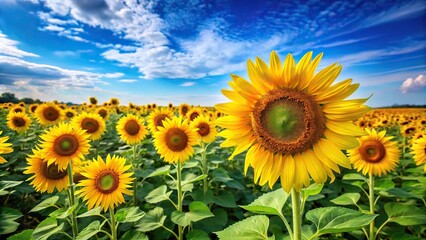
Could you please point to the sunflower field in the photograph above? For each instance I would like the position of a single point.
(290, 156)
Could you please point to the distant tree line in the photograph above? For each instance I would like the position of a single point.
(10, 97)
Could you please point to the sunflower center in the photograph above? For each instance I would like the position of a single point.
(184, 109)
(51, 113)
(107, 181)
(159, 120)
(52, 171)
(17, 110)
(33, 108)
(18, 122)
(372, 151)
(176, 139)
(69, 114)
(90, 125)
(132, 127)
(65, 145)
(287, 121)
(203, 129)
(193, 116)
(102, 113)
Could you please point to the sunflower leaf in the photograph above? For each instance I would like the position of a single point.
(255, 228)
(197, 211)
(151, 220)
(338, 219)
(8, 184)
(347, 199)
(405, 215)
(45, 204)
(62, 213)
(312, 190)
(47, 228)
(24, 235)
(270, 203)
(160, 171)
(134, 235)
(92, 212)
(131, 214)
(91, 230)
(7, 220)
(158, 195)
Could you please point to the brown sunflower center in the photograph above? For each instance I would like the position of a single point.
(69, 114)
(52, 171)
(102, 113)
(158, 120)
(107, 181)
(193, 116)
(17, 110)
(132, 127)
(18, 122)
(90, 125)
(410, 130)
(114, 101)
(287, 121)
(33, 108)
(372, 151)
(51, 114)
(66, 145)
(203, 129)
(184, 109)
(176, 139)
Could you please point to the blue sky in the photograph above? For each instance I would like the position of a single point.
(184, 51)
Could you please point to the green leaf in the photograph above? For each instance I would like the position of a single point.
(312, 190)
(225, 199)
(198, 178)
(45, 204)
(7, 220)
(134, 235)
(62, 213)
(253, 228)
(398, 192)
(384, 183)
(347, 199)
(151, 220)
(354, 176)
(197, 211)
(158, 195)
(47, 228)
(8, 184)
(197, 235)
(24, 235)
(92, 212)
(337, 219)
(91, 230)
(405, 215)
(160, 171)
(131, 214)
(269, 203)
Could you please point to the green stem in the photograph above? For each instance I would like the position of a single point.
(290, 232)
(113, 224)
(135, 181)
(72, 201)
(380, 228)
(179, 193)
(204, 165)
(371, 198)
(297, 218)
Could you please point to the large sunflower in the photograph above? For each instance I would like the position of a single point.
(131, 129)
(376, 155)
(174, 141)
(293, 121)
(419, 151)
(45, 177)
(91, 122)
(5, 148)
(18, 121)
(105, 182)
(206, 129)
(62, 144)
(156, 118)
(49, 114)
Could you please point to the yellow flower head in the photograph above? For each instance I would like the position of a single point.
(91, 122)
(419, 151)
(206, 129)
(5, 148)
(70, 113)
(105, 182)
(49, 114)
(292, 121)
(156, 118)
(376, 155)
(103, 112)
(184, 109)
(131, 129)
(18, 121)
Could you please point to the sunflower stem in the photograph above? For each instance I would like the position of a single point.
(204, 166)
(135, 182)
(74, 224)
(371, 198)
(297, 216)
(113, 224)
(179, 193)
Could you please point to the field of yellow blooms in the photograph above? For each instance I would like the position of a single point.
(289, 157)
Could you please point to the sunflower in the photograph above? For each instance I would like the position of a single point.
(131, 129)
(5, 148)
(206, 129)
(105, 182)
(293, 122)
(45, 177)
(156, 118)
(376, 155)
(419, 151)
(184, 109)
(61, 144)
(174, 141)
(33, 108)
(93, 100)
(18, 121)
(69, 113)
(91, 122)
(114, 101)
(103, 112)
(170, 105)
(194, 113)
(17, 109)
(408, 130)
(49, 114)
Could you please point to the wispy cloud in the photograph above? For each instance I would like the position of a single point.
(187, 84)
(127, 80)
(416, 84)
(9, 47)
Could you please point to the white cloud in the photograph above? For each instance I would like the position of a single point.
(70, 53)
(127, 80)
(113, 75)
(53, 28)
(187, 84)
(411, 85)
(9, 47)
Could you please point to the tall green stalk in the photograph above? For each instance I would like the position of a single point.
(113, 224)
(179, 193)
(297, 215)
(371, 198)
(71, 196)
(135, 181)
(204, 166)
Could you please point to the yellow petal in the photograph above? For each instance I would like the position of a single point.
(287, 173)
(334, 153)
(345, 128)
